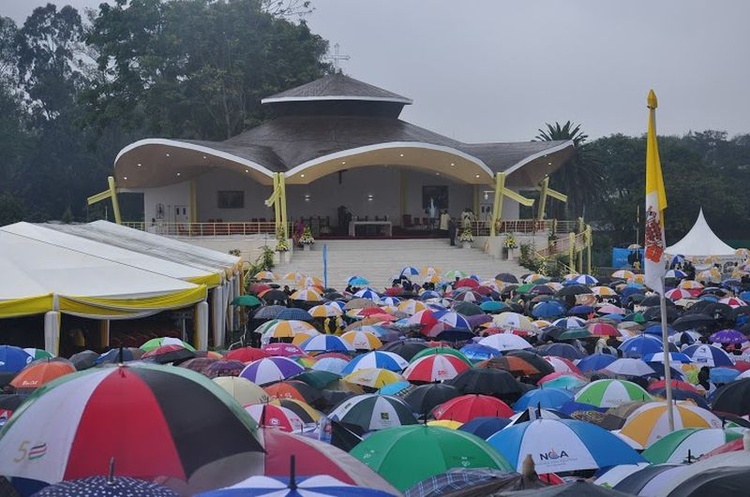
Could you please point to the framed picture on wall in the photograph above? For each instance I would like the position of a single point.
(231, 199)
(437, 195)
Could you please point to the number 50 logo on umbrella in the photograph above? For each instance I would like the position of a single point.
(31, 452)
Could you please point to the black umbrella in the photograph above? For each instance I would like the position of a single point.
(84, 360)
(103, 486)
(654, 314)
(634, 483)
(487, 381)
(578, 488)
(506, 278)
(317, 378)
(11, 401)
(715, 481)
(551, 333)
(268, 312)
(275, 297)
(293, 313)
(405, 348)
(573, 290)
(733, 398)
(425, 398)
(455, 335)
(565, 350)
(693, 321)
(681, 394)
(534, 359)
(467, 308)
(345, 436)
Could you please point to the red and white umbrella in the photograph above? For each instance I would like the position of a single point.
(562, 365)
(435, 367)
(277, 417)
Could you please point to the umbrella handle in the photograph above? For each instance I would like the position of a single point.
(292, 479)
(111, 475)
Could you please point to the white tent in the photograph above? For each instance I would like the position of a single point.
(42, 278)
(700, 241)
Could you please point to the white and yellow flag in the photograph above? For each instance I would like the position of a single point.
(656, 201)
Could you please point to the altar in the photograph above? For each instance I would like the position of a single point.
(387, 227)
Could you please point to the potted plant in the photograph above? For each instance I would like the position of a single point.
(466, 238)
(282, 246)
(509, 245)
(306, 240)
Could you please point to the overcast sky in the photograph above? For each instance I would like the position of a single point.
(497, 70)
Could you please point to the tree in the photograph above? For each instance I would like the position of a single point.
(195, 68)
(581, 178)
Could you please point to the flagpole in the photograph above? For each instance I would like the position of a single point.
(667, 368)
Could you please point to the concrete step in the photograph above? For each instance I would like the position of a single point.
(381, 260)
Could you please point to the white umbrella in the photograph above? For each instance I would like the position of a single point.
(505, 341)
(630, 367)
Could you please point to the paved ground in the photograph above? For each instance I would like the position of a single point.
(381, 260)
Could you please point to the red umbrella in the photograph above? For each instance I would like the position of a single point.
(733, 446)
(314, 457)
(335, 355)
(293, 389)
(603, 329)
(682, 385)
(466, 282)
(246, 354)
(741, 366)
(169, 353)
(257, 288)
(467, 407)
(283, 349)
(224, 367)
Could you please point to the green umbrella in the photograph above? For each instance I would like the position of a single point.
(406, 455)
(493, 306)
(247, 301)
(611, 393)
(441, 350)
(574, 333)
(317, 379)
(691, 443)
(526, 287)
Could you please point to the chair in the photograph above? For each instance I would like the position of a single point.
(406, 221)
(417, 223)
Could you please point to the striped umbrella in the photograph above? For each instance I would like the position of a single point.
(649, 423)
(367, 293)
(373, 377)
(243, 391)
(155, 343)
(362, 340)
(550, 398)
(505, 341)
(623, 274)
(688, 444)
(293, 389)
(306, 412)
(326, 343)
(270, 370)
(611, 393)
(326, 310)
(373, 412)
(283, 329)
(277, 417)
(330, 364)
(306, 295)
(377, 359)
(38, 353)
(58, 433)
(562, 364)
(707, 355)
(411, 307)
(436, 367)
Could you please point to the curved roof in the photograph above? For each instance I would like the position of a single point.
(700, 241)
(336, 87)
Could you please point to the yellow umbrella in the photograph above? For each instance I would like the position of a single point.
(301, 336)
(284, 329)
(362, 340)
(690, 285)
(325, 311)
(373, 377)
(445, 423)
(649, 423)
(265, 275)
(294, 276)
(571, 276)
(307, 295)
(243, 390)
(294, 404)
(638, 278)
(310, 281)
(411, 306)
(603, 291)
(623, 274)
(533, 277)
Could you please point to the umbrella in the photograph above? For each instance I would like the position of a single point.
(636, 481)
(305, 411)
(13, 359)
(155, 343)
(551, 398)
(424, 398)
(139, 399)
(40, 373)
(679, 394)
(166, 354)
(296, 314)
(728, 336)
(270, 370)
(629, 367)
(649, 422)
(317, 379)
(246, 301)
(292, 389)
(441, 350)
(505, 341)
(477, 352)
(611, 393)
(511, 364)
(277, 417)
(715, 481)
(565, 350)
(357, 281)
(693, 321)
(687, 444)
(84, 360)
(243, 391)
(405, 348)
(575, 334)
(315, 486)
(106, 486)
(578, 488)
(376, 359)
(269, 311)
(487, 381)
(595, 362)
(246, 354)
(373, 412)
(306, 295)
(562, 445)
(707, 355)
(467, 407)
(562, 365)
(548, 309)
(198, 364)
(362, 340)
(565, 381)
(373, 377)
(283, 350)
(330, 364)
(326, 343)
(435, 367)
(733, 398)
(485, 426)
(425, 451)
(224, 367)
(640, 346)
(38, 353)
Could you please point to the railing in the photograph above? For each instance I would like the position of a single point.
(208, 229)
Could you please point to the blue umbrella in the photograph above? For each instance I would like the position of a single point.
(13, 359)
(655, 330)
(580, 310)
(409, 271)
(493, 306)
(723, 375)
(640, 346)
(708, 355)
(565, 350)
(294, 313)
(476, 352)
(367, 293)
(397, 388)
(315, 486)
(551, 398)
(595, 362)
(613, 317)
(673, 357)
(561, 445)
(114, 356)
(484, 426)
(572, 406)
(358, 281)
(376, 359)
(570, 322)
(548, 309)
(429, 294)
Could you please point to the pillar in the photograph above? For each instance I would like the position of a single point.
(52, 332)
(104, 333)
(571, 250)
(497, 206)
(200, 338)
(113, 195)
(217, 315)
(543, 199)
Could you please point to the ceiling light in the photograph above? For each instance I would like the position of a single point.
(477, 175)
(205, 157)
(437, 174)
(302, 175)
(343, 162)
(139, 164)
(167, 155)
(549, 163)
(453, 163)
(178, 174)
(125, 177)
(247, 170)
(401, 155)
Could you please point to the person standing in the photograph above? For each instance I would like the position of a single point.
(452, 227)
(445, 219)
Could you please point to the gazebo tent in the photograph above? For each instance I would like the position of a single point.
(212, 261)
(42, 278)
(700, 241)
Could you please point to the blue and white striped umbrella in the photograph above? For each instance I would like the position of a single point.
(569, 322)
(708, 355)
(561, 445)
(377, 359)
(326, 343)
(330, 364)
(585, 279)
(673, 357)
(315, 486)
(389, 301)
(551, 398)
(476, 352)
(368, 293)
(454, 320)
(640, 346)
(270, 370)
(409, 271)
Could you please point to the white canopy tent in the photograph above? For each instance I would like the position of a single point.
(43, 278)
(701, 241)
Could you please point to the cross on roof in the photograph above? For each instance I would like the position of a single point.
(336, 57)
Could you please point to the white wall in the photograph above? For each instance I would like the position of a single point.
(168, 196)
(207, 186)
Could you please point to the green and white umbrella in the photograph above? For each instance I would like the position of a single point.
(611, 393)
(688, 444)
(373, 412)
(39, 353)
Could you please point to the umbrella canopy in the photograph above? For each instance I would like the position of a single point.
(467, 407)
(426, 451)
(405, 348)
(373, 412)
(487, 381)
(424, 398)
(270, 370)
(112, 486)
(373, 377)
(611, 393)
(326, 343)
(246, 301)
(246, 354)
(485, 426)
(61, 426)
(505, 341)
(715, 481)
(640, 346)
(283, 349)
(84, 360)
(706, 355)
(435, 367)
(551, 398)
(315, 486)
(244, 391)
(292, 389)
(629, 367)
(595, 362)
(733, 398)
(40, 373)
(562, 445)
(511, 364)
(224, 367)
(362, 340)
(155, 343)
(166, 354)
(13, 359)
(277, 417)
(376, 359)
(649, 423)
(687, 444)
(578, 488)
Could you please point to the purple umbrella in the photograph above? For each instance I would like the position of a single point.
(224, 367)
(728, 336)
(270, 370)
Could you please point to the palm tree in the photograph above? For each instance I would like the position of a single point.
(582, 177)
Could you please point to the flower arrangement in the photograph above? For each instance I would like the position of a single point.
(466, 236)
(307, 238)
(282, 244)
(510, 241)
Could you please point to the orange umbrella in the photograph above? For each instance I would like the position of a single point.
(41, 373)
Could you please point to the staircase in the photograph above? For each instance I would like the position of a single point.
(381, 260)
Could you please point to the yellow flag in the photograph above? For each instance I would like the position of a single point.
(656, 202)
